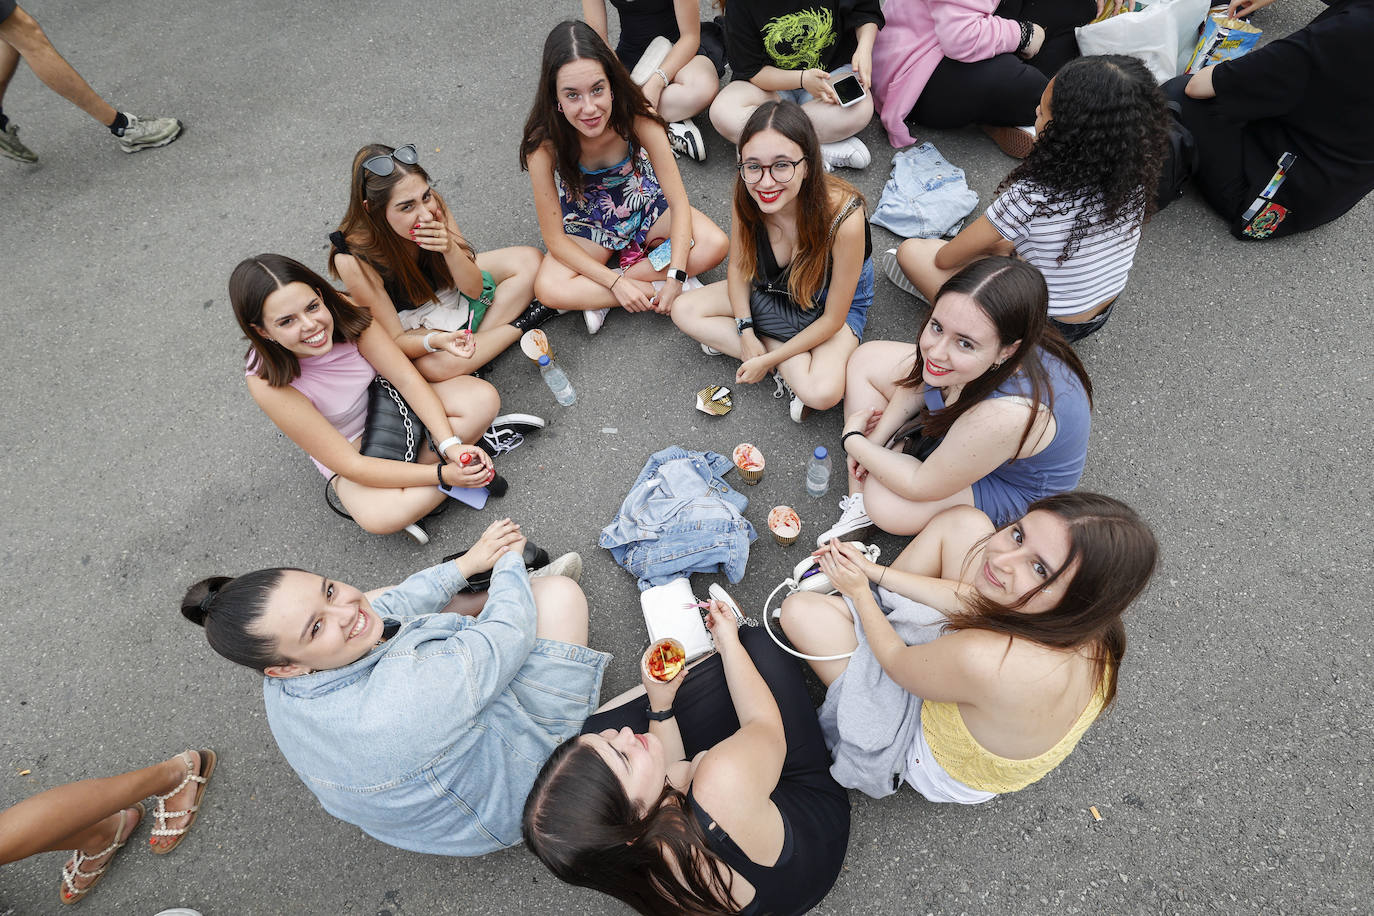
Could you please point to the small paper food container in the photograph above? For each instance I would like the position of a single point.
(535, 343)
(664, 659)
(749, 462)
(784, 524)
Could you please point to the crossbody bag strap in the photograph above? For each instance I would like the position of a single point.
(850, 206)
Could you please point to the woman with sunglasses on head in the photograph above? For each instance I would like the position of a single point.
(981, 655)
(401, 255)
(312, 357)
(990, 408)
(607, 190)
(801, 273)
(707, 794)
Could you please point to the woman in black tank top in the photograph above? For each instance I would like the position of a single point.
(724, 803)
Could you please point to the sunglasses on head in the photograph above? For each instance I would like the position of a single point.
(382, 166)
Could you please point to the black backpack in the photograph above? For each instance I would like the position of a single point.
(1180, 160)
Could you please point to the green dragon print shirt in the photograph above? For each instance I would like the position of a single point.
(792, 36)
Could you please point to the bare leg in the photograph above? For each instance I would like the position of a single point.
(562, 610)
(735, 103)
(692, 89)
(818, 375)
(23, 33)
(834, 123)
(871, 378)
(9, 62)
(896, 514)
(513, 269)
(705, 315)
(916, 257)
(820, 625)
(712, 245)
(82, 815)
(942, 547)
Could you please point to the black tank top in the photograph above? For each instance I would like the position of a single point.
(641, 21)
(775, 277)
(393, 289)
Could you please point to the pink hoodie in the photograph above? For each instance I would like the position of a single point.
(918, 34)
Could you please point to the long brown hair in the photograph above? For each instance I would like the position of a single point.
(581, 824)
(1013, 295)
(256, 278)
(1116, 554)
(818, 202)
(372, 239)
(573, 40)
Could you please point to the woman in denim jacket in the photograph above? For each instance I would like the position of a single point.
(425, 729)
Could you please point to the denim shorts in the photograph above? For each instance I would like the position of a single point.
(863, 298)
(1076, 332)
(801, 96)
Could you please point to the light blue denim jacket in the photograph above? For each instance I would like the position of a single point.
(926, 197)
(681, 518)
(432, 740)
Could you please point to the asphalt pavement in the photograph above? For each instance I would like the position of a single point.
(1233, 407)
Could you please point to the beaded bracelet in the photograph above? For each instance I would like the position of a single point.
(1027, 33)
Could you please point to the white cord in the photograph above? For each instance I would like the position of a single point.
(788, 649)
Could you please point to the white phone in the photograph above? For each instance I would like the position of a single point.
(849, 89)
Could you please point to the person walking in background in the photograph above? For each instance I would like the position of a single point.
(22, 36)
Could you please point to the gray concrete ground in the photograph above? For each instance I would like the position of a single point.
(1233, 406)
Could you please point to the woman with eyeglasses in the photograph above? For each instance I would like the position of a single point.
(801, 272)
(612, 209)
(402, 256)
(312, 357)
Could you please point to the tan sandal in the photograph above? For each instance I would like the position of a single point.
(68, 891)
(160, 813)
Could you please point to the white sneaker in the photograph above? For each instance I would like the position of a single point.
(887, 260)
(595, 318)
(146, 134)
(686, 140)
(853, 517)
(570, 565)
(797, 410)
(709, 351)
(846, 154)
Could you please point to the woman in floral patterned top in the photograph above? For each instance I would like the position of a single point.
(606, 187)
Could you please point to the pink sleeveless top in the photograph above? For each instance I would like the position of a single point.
(336, 384)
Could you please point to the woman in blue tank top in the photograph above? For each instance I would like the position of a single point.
(990, 408)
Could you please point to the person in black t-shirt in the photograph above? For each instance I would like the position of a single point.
(785, 49)
(1284, 136)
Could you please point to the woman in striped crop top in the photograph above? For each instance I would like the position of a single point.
(986, 653)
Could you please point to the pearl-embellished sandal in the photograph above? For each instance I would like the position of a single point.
(70, 893)
(160, 813)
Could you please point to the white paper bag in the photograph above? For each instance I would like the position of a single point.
(1162, 35)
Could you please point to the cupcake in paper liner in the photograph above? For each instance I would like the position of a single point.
(784, 524)
(749, 462)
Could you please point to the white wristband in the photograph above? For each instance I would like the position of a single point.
(428, 348)
(663, 76)
(449, 443)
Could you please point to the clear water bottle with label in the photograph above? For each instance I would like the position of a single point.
(818, 473)
(557, 380)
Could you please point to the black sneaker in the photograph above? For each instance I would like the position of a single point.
(686, 140)
(507, 432)
(535, 314)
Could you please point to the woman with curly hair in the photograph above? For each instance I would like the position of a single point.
(1076, 206)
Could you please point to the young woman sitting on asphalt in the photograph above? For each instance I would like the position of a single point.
(981, 655)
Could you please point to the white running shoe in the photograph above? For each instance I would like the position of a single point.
(709, 351)
(595, 318)
(853, 517)
(686, 140)
(887, 260)
(570, 565)
(146, 134)
(846, 154)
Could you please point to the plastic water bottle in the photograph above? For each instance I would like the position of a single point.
(818, 473)
(557, 380)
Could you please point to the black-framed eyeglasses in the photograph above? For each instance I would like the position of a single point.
(382, 166)
(782, 170)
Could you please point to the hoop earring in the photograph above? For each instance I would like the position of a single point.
(559, 106)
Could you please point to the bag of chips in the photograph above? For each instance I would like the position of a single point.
(1222, 39)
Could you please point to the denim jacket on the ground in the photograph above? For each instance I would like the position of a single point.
(926, 197)
(431, 741)
(681, 518)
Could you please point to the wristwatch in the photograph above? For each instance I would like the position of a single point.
(678, 274)
(661, 716)
(742, 323)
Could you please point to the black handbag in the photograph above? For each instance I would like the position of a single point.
(775, 314)
(392, 431)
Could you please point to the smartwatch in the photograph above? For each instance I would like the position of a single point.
(661, 716)
(675, 273)
(742, 323)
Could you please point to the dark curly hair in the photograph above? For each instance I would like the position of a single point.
(1105, 142)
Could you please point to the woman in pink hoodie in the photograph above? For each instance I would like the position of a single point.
(949, 63)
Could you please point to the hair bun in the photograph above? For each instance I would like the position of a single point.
(196, 604)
